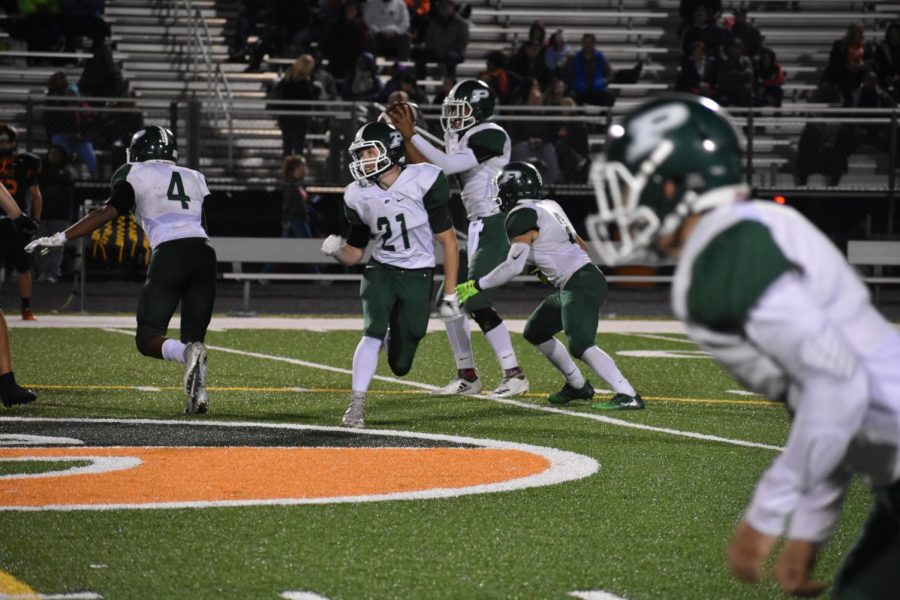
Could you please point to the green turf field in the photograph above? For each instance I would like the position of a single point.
(651, 523)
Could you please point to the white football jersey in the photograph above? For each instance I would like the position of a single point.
(168, 199)
(397, 216)
(479, 187)
(555, 251)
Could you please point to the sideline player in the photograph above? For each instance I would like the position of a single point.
(405, 208)
(476, 150)
(770, 297)
(168, 202)
(541, 234)
(19, 172)
(24, 227)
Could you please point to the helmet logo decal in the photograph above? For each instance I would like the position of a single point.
(479, 94)
(648, 129)
(396, 139)
(509, 175)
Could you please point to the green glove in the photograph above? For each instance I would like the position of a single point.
(541, 277)
(466, 290)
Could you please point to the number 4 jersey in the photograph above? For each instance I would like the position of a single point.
(167, 199)
(399, 216)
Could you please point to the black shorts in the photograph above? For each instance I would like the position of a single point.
(12, 248)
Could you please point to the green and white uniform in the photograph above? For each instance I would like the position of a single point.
(396, 286)
(581, 287)
(167, 201)
(775, 302)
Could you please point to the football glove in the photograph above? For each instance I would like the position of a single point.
(332, 245)
(57, 240)
(25, 226)
(466, 290)
(448, 307)
(541, 276)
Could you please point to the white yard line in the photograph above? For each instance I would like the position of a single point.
(493, 398)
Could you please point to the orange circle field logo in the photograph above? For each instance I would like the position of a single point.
(102, 464)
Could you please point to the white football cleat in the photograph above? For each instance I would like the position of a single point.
(195, 399)
(512, 386)
(355, 417)
(458, 386)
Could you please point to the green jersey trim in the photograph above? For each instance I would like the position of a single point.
(521, 221)
(731, 273)
(487, 143)
(438, 193)
(121, 173)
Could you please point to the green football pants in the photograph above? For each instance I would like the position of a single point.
(574, 309)
(396, 299)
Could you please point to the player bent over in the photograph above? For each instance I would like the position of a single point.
(541, 234)
(168, 202)
(405, 208)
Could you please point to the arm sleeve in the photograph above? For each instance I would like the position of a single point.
(359, 233)
(122, 197)
(512, 266)
(829, 407)
(450, 164)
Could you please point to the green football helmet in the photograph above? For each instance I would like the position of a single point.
(469, 102)
(518, 181)
(387, 141)
(152, 143)
(679, 138)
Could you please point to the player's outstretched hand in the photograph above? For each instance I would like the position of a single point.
(748, 551)
(332, 245)
(466, 290)
(796, 562)
(25, 226)
(448, 307)
(401, 115)
(57, 240)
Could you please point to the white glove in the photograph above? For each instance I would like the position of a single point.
(332, 245)
(57, 240)
(448, 307)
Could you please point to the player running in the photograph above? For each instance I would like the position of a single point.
(542, 235)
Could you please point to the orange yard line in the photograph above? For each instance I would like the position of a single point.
(169, 474)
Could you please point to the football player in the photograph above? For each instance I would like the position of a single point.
(541, 234)
(168, 202)
(19, 172)
(12, 393)
(770, 297)
(405, 208)
(475, 150)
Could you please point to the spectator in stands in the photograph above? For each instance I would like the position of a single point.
(867, 96)
(83, 18)
(734, 84)
(705, 30)
(846, 62)
(535, 137)
(101, 76)
(68, 121)
(323, 79)
(295, 199)
(409, 85)
(537, 33)
(529, 65)
(556, 91)
(346, 41)
(362, 83)
(745, 31)
(388, 23)
(418, 18)
(392, 84)
(819, 151)
(447, 83)
(769, 80)
(698, 71)
(557, 53)
(58, 193)
(39, 26)
(687, 9)
(887, 61)
(116, 128)
(297, 84)
(243, 27)
(588, 74)
(572, 147)
(497, 77)
(445, 40)
(286, 31)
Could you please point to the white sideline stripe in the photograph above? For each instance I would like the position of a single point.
(302, 596)
(595, 595)
(564, 466)
(317, 324)
(664, 338)
(507, 401)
